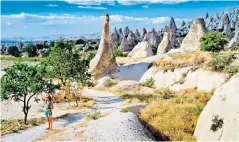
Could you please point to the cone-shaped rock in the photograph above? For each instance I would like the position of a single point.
(183, 24)
(132, 39)
(115, 37)
(165, 45)
(125, 46)
(234, 43)
(137, 35)
(192, 41)
(142, 49)
(207, 15)
(104, 62)
(226, 25)
(121, 35)
(126, 31)
(144, 33)
(152, 38)
(172, 26)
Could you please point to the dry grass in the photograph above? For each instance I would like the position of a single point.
(9, 57)
(127, 60)
(175, 115)
(179, 60)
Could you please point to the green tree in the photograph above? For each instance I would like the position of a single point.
(67, 65)
(13, 50)
(213, 41)
(23, 82)
(31, 50)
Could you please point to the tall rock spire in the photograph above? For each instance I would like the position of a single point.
(104, 62)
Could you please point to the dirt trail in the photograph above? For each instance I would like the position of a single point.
(73, 127)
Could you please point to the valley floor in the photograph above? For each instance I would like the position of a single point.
(113, 125)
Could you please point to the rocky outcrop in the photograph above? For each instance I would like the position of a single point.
(142, 49)
(125, 45)
(152, 38)
(219, 120)
(137, 35)
(144, 33)
(192, 41)
(182, 30)
(132, 40)
(226, 25)
(121, 35)
(169, 39)
(234, 43)
(104, 62)
(115, 38)
(126, 31)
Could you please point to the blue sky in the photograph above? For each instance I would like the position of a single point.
(71, 17)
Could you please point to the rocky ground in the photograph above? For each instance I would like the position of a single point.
(113, 126)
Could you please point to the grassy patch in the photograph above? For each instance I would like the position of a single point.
(180, 60)
(125, 110)
(150, 82)
(9, 57)
(94, 115)
(175, 114)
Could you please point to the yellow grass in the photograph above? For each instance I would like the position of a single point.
(9, 57)
(127, 60)
(179, 60)
(175, 115)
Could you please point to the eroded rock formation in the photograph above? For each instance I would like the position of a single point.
(192, 41)
(144, 33)
(115, 38)
(142, 49)
(126, 31)
(104, 62)
(137, 35)
(132, 40)
(152, 38)
(125, 45)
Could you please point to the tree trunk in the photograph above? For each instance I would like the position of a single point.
(25, 117)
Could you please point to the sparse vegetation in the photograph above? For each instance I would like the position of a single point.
(150, 82)
(175, 116)
(217, 123)
(125, 110)
(94, 115)
(213, 41)
(222, 63)
(118, 53)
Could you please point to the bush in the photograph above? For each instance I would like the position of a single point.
(223, 63)
(13, 50)
(149, 83)
(213, 41)
(94, 115)
(31, 50)
(125, 110)
(118, 53)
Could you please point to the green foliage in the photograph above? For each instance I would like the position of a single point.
(118, 53)
(213, 41)
(223, 63)
(94, 115)
(150, 82)
(13, 50)
(67, 65)
(125, 110)
(217, 123)
(31, 50)
(197, 110)
(22, 82)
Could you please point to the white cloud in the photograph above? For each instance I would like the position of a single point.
(51, 5)
(123, 2)
(145, 6)
(91, 2)
(92, 7)
(67, 18)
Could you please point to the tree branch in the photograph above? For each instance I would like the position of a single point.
(30, 98)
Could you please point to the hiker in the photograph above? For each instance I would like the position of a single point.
(48, 106)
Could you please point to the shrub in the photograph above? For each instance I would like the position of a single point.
(31, 50)
(213, 41)
(217, 123)
(149, 83)
(13, 50)
(94, 115)
(125, 110)
(223, 63)
(118, 53)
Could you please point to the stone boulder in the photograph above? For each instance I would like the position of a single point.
(142, 49)
(192, 41)
(219, 120)
(132, 39)
(104, 62)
